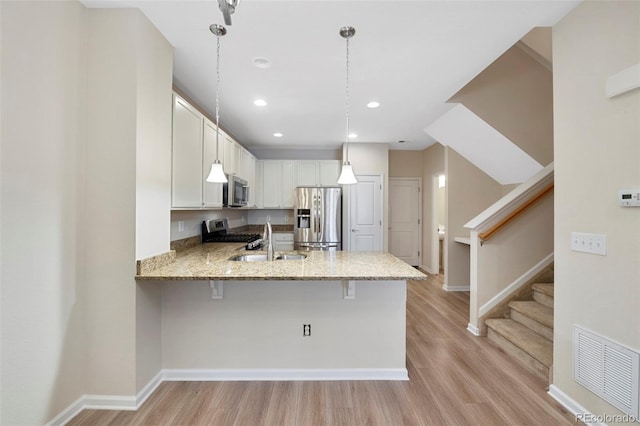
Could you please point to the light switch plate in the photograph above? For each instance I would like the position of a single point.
(589, 243)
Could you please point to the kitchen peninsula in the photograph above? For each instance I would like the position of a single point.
(333, 315)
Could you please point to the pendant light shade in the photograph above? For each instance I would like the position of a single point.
(216, 174)
(346, 175)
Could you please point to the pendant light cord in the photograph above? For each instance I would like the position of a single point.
(217, 96)
(347, 105)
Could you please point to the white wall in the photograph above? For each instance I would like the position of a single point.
(259, 325)
(278, 217)
(596, 153)
(43, 310)
(192, 220)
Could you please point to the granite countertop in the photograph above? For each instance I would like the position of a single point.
(210, 261)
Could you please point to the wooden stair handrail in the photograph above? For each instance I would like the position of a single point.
(484, 236)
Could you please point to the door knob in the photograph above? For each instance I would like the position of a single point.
(354, 230)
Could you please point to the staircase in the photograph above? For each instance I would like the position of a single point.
(526, 332)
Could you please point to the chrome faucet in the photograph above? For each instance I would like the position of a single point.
(267, 235)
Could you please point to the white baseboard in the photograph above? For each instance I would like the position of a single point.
(473, 329)
(428, 270)
(106, 402)
(535, 270)
(285, 374)
(132, 403)
(572, 406)
(446, 287)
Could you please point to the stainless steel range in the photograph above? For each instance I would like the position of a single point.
(217, 231)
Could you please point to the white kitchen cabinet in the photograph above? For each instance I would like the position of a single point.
(329, 172)
(249, 174)
(186, 158)
(282, 241)
(193, 152)
(278, 183)
(212, 192)
(288, 183)
(258, 187)
(307, 173)
(317, 172)
(272, 183)
(229, 163)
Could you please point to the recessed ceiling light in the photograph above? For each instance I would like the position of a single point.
(261, 62)
(278, 134)
(352, 135)
(260, 102)
(373, 104)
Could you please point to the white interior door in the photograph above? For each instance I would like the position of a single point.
(365, 201)
(404, 219)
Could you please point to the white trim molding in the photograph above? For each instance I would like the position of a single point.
(624, 81)
(284, 374)
(521, 280)
(447, 287)
(573, 406)
(106, 402)
(473, 329)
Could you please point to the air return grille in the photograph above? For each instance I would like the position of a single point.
(607, 369)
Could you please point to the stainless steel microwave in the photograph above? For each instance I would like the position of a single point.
(235, 193)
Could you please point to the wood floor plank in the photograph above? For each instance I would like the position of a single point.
(455, 379)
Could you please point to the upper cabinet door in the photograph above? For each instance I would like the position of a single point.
(229, 163)
(329, 172)
(307, 173)
(186, 185)
(288, 183)
(212, 194)
(272, 183)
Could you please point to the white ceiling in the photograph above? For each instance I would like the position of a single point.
(411, 56)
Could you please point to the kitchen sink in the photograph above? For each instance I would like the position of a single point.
(263, 257)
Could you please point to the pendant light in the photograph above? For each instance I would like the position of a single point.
(346, 175)
(217, 173)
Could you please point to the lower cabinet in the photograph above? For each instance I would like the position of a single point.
(283, 241)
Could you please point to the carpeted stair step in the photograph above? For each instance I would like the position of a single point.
(530, 348)
(535, 316)
(543, 293)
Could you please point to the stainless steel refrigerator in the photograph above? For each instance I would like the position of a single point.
(318, 218)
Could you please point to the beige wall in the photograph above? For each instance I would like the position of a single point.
(515, 96)
(433, 164)
(129, 69)
(43, 295)
(522, 244)
(84, 102)
(405, 164)
(596, 153)
(469, 192)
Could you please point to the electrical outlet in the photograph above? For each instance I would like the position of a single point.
(306, 330)
(286, 218)
(181, 226)
(268, 218)
(589, 243)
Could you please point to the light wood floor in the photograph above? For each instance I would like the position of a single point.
(455, 379)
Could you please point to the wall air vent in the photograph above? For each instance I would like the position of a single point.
(607, 369)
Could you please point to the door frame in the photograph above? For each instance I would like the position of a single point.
(435, 239)
(420, 223)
